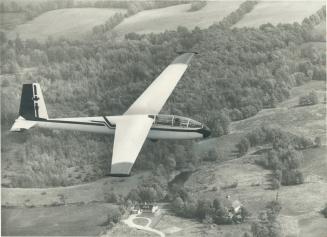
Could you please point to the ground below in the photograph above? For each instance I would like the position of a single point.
(301, 204)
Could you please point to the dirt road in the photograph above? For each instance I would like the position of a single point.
(130, 222)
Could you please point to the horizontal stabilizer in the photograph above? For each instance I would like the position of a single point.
(21, 124)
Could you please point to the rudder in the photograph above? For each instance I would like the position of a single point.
(32, 105)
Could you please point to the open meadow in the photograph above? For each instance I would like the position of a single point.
(71, 23)
(308, 121)
(75, 220)
(169, 18)
(301, 203)
(275, 12)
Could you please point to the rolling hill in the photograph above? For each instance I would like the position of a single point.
(70, 23)
(169, 18)
(279, 12)
(301, 203)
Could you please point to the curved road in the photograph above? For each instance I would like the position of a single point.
(130, 223)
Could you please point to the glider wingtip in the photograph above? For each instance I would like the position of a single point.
(119, 175)
(182, 52)
(183, 58)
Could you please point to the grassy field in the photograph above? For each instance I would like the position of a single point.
(9, 20)
(75, 220)
(169, 18)
(70, 23)
(308, 121)
(275, 12)
(123, 230)
(181, 227)
(301, 203)
(84, 193)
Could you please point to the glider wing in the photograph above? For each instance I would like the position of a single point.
(131, 132)
(155, 96)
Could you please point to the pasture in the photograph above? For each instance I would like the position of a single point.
(275, 12)
(9, 20)
(308, 121)
(70, 23)
(301, 203)
(74, 220)
(169, 18)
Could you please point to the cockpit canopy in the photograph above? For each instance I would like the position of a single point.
(175, 121)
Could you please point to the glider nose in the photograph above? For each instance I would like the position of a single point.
(205, 131)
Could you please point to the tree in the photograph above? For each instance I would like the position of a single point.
(292, 177)
(324, 211)
(318, 141)
(310, 99)
(212, 155)
(203, 208)
(243, 146)
(147, 194)
(274, 206)
(266, 226)
(178, 203)
(275, 183)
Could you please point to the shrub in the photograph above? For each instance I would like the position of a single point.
(267, 224)
(212, 155)
(310, 99)
(214, 189)
(110, 197)
(275, 183)
(318, 141)
(197, 5)
(233, 185)
(292, 177)
(324, 211)
(243, 146)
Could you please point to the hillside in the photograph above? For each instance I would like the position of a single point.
(275, 12)
(300, 203)
(305, 121)
(169, 18)
(70, 23)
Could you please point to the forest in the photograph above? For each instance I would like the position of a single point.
(237, 73)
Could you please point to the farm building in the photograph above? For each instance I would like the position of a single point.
(148, 208)
(234, 208)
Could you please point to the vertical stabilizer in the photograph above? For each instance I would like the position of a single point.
(32, 105)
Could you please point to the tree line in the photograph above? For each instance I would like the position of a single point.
(285, 156)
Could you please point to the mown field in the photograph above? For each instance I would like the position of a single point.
(70, 23)
(169, 18)
(76, 220)
(275, 12)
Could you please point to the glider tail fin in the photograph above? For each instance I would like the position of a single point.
(32, 107)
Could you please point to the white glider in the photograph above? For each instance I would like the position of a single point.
(142, 120)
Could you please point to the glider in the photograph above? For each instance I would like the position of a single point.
(142, 120)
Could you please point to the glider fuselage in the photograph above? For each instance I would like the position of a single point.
(163, 127)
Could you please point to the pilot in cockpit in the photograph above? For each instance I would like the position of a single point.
(177, 122)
